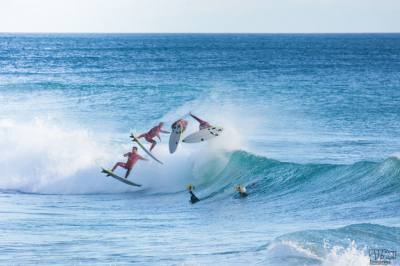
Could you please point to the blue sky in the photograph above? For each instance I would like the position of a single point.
(271, 16)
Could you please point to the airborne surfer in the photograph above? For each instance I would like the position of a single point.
(193, 198)
(202, 124)
(180, 122)
(152, 133)
(133, 157)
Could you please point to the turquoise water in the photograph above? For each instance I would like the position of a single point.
(311, 126)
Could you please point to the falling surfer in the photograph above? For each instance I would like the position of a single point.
(202, 124)
(133, 157)
(182, 123)
(206, 131)
(177, 128)
(152, 133)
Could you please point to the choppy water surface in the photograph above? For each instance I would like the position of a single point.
(311, 127)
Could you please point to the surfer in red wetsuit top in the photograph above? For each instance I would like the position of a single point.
(154, 132)
(181, 122)
(203, 124)
(133, 157)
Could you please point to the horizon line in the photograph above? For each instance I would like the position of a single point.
(76, 32)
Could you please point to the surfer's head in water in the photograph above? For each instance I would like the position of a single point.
(193, 198)
(242, 190)
(134, 149)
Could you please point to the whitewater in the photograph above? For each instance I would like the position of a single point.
(310, 127)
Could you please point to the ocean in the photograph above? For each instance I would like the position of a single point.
(311, 127)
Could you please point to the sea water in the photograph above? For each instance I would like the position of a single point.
(311, 128)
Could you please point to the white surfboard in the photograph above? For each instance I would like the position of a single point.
(174, 138)
(203, 135)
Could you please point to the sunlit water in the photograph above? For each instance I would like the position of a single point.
(311, 127)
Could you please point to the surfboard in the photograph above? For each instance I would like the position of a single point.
(203, 135)
(134, 139)
(124, 180)
(174, 138)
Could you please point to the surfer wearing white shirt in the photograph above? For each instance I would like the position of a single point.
(203, 124)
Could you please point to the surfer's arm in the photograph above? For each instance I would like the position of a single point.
(165, 132)
(126, 154)
(142, 158)
(252, 185)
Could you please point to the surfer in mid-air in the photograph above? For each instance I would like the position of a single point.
(133, 157)
(154, 132)
(193, 198)
(203, 124)
(181, 122)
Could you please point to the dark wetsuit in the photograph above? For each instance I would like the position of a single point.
(193, 198)
(243, 194)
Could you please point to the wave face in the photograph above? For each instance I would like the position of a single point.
(312, 185)
(66, 160)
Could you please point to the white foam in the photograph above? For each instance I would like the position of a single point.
(350, 256)
(46, 156)
(40, 156)
(333, 256)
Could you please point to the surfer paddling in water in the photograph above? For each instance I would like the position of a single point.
(193, 198)
(203, 124)
(133, 157)
(154, 132)
(242, 190)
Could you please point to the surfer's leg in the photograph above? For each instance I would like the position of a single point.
(141, 136)
(197, 119)
(128, 171)
(152, 141)
(120, 164)
(153, 144)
